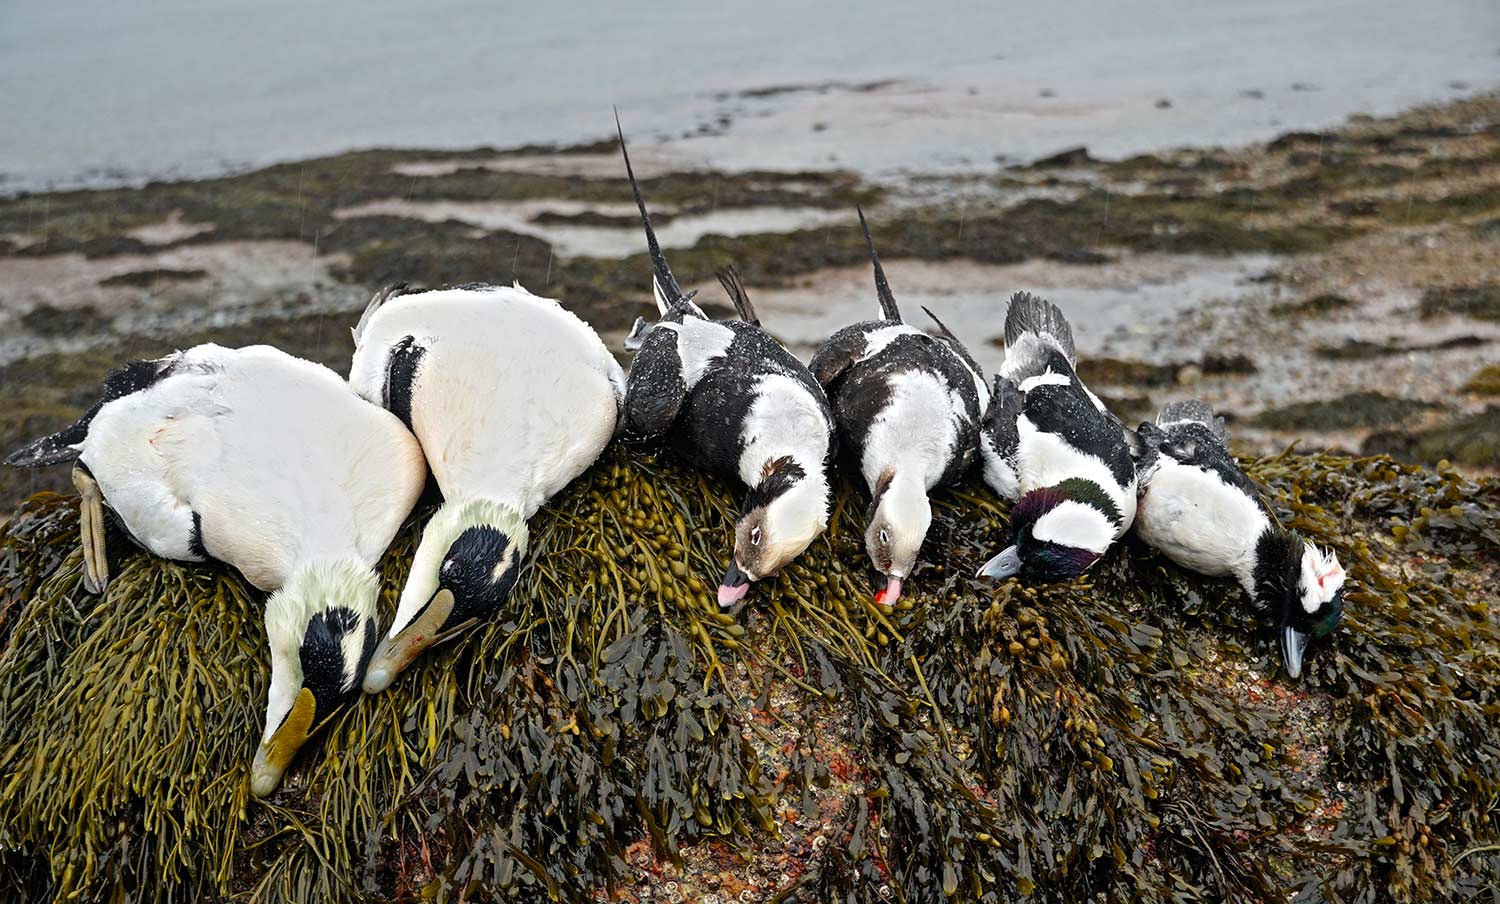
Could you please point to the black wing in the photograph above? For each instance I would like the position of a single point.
(655, 389)
(400, 374)
(123, 381)
(1198, 445)
(838, 353)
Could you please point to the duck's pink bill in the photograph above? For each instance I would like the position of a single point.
(890, 594)
(728, 595)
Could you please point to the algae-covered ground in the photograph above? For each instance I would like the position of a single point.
(610, 736)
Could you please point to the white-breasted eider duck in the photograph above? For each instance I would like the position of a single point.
(1205, 513)
(1049, 444)
(732, 400)
(908, 407)
(512, 396)
(267, 463)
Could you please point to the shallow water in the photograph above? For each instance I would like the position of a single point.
(121, 92)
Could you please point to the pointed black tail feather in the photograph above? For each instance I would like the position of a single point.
(888, 309)
(730, 280)
(958, 345)
(666, 284)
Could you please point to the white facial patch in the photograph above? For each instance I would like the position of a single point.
(501, 567)
(352, 645)
(793, 520)
(1044, 379)
(1076, 524)
(907, 514)
(1322, 577)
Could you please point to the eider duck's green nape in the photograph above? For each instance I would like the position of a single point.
(464, 568)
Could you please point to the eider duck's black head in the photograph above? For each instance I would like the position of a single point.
(1302, 587)
(1058, 533)
(464, 569)
(784, 512)
(321, 629)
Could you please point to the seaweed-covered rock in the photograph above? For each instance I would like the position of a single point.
(1121, 736)
(1486, 382)
(1354, 410)
(1472, 439)
(1481, 302)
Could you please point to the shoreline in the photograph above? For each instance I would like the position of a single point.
(1266, 279)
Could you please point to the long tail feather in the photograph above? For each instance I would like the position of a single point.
(888, 309)
(958, 345)
(730, 280)
(666, 288)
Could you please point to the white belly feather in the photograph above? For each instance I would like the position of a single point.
(1045, 459)
(1199, 522)
(916, 432)
(783, 420)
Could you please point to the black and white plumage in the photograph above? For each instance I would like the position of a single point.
(272, 465)
(907, 407)
(730, 399)
(512, 396)
(1203, 512)
(1049, 444)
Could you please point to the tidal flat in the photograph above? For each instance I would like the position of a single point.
(1327, 262)
(611, 737)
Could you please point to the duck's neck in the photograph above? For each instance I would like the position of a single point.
(1268, 570)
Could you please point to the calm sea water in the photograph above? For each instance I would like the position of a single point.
(103, 92)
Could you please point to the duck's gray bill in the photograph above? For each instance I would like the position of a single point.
(1293, 645)
(1002, 566)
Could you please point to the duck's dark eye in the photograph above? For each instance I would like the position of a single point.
(754, 536)
(884, 537)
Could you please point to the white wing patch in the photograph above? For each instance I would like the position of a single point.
(1077, 524)
(698, 343)
(877, 340)
(1045, 379)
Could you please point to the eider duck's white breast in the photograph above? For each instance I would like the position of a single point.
(511, 395)
(785, 418)
(263, 459)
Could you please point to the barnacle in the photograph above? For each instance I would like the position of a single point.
(1123, 734)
